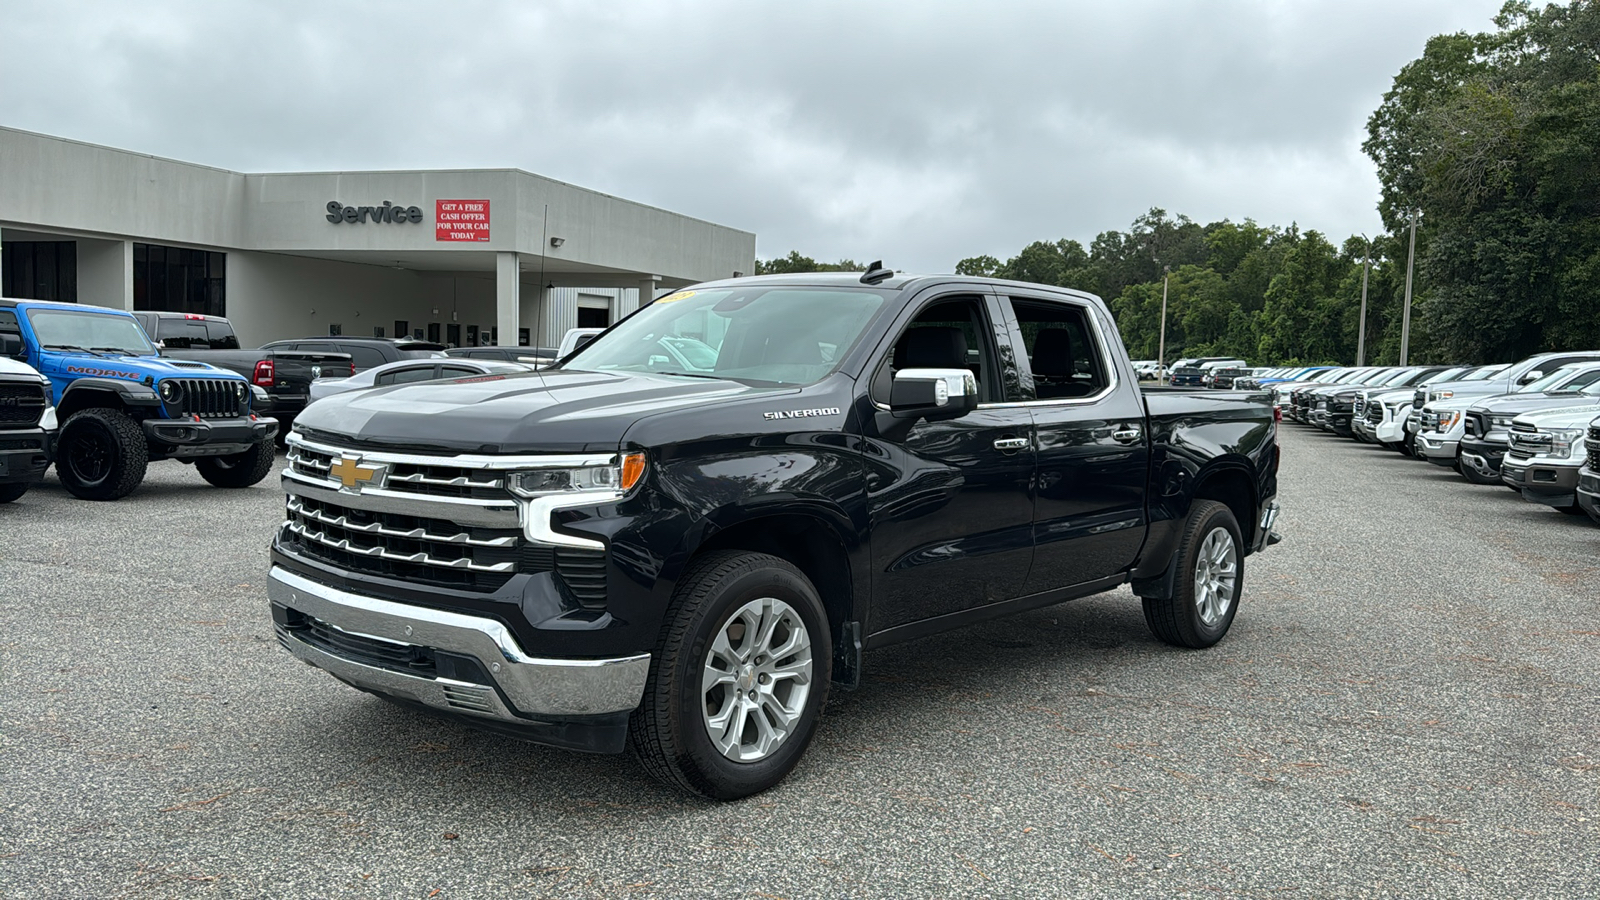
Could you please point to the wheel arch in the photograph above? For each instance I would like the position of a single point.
(102, 393)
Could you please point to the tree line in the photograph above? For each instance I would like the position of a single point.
(1494, 138)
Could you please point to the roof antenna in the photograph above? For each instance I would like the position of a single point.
(876, 273)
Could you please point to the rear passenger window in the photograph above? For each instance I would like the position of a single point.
(403, 376)
(363, 357)
(1061, 349)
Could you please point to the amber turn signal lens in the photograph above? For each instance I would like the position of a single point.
(632, 469)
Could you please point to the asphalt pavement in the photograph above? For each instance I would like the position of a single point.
(1408, 706)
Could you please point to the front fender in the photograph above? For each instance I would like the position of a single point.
(132, 394)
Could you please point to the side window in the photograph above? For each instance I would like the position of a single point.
(457, 372)
(221, 336)
(363, 357)
(951, 333)
(8, 322)
(1061, 348)
(403, 376)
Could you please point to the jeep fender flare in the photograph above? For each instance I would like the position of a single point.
(81, 394)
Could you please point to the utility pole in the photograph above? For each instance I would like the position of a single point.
(1405, 317)
(1161, 354)
(1361, 336)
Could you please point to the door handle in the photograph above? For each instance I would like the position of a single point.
(1125, 435)
(1015, 443)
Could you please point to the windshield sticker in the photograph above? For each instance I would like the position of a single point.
(103, 373)
(673, 298)
(802, 413)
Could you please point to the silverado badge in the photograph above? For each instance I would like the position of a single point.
(352, 474)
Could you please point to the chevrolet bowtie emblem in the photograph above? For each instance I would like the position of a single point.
(352, 474)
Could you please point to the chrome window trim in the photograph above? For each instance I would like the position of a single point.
(1113, 380)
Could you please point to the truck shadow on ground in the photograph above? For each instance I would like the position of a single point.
(905, 700)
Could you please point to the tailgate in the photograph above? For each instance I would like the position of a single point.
(294, 370)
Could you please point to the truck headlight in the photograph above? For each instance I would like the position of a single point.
(589, 479)
(1440, 395)
(1448, 420)
(1565, 441)
(170, 391)
(1500, 421)
(49, 393)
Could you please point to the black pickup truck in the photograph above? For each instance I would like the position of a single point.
(626, 550)
(285, 375)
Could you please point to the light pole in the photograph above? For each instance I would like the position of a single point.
(1405, 317)
(1361, 336)
(1161, 353)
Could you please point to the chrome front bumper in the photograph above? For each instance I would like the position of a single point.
(515, 687)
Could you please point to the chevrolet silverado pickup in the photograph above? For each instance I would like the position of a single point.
(681, 554)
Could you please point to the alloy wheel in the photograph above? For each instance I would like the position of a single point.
(1216, 574)
(755, 679)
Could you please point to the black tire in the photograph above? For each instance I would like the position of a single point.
(1573, 510)
(1472, 475)
(668, 733)
(102, 455)
(1178, 620)
(10, 492)
(241, 470)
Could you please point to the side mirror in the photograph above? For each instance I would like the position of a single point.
(11, 345)
(1531, 377)
(933, 394)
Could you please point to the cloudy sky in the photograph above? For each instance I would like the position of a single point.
(920, 131)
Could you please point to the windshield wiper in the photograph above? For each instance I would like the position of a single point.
(69, 347)
(124, 351)
(691, 375)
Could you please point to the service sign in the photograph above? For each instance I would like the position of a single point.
(461, 220)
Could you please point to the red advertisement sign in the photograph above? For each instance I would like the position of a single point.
(461, 220)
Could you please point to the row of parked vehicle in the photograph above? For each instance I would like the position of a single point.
(1533, 425)
(1221, 373)
(102, 393)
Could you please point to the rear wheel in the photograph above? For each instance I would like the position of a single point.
(1210, 579)
(738, 679)
(10, 492)
(240, 470)
(102, 455)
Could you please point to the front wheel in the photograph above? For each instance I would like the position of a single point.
(1210, 579)
(102, 455)
(738, 680)
(11, 492)
(239, 470)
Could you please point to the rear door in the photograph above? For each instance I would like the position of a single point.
(1093, 453)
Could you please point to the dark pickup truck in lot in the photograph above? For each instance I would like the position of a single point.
(285, 375)
(624, 549)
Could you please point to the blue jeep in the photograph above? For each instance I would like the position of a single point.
(122, 406)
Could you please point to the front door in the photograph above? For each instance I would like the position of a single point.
(1093, 454)
(950, 506)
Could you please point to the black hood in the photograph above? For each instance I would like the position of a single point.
(549, 412)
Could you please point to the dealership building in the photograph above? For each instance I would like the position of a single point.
(466, 257)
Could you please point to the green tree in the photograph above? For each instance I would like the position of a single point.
(795, 263)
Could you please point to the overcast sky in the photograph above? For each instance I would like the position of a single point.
(920, 132)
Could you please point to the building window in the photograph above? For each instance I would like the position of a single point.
(522, 337)
(40, 270)
(433, 332)
(177, 279)
(402, 329)
(472, 335)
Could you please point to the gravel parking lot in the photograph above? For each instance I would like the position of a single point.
(1407, 706)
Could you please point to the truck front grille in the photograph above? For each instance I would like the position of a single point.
(1527, 443)
(21, 405)
(441, 480)
(406, 547)
(1591, 444)
(208, 398)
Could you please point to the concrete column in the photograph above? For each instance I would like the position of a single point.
(647, 290)
(507, 297)
(127, 276)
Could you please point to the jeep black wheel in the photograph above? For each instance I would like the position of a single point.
(102, 455)
(240, 470)
(10, 492)
(738, 679)
(1205, 598)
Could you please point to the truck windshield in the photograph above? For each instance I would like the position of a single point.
(781, 335)
(89, 331)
